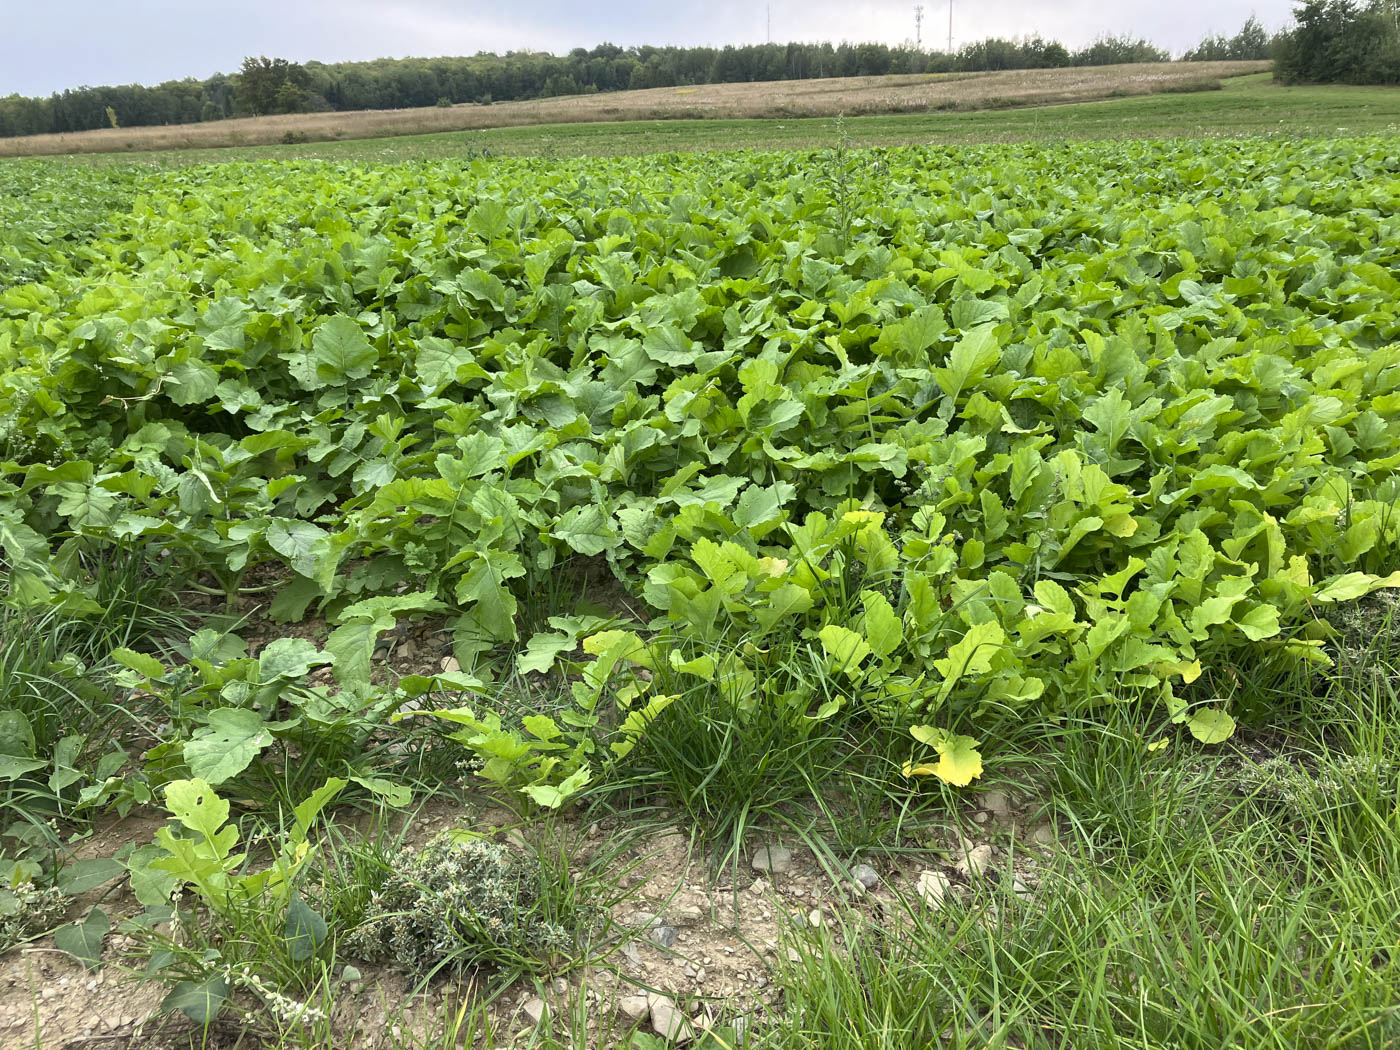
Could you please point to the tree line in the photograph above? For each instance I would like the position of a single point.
(1341, 41)
(1333, 40)
(264, 86)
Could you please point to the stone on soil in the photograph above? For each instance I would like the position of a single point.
(933, 886)
(995, 802)
(776, 859)
(634, 1007)
(866, 876)
(668, 1021)
(976, 862)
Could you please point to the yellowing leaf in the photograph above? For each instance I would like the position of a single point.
(1210, 725)
(1189, 671)
(844, 647)
(702, 666)
(959, 762)
(863, 517)
(1121, 525)
(626, 643)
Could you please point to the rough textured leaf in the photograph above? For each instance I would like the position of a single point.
(223, 748)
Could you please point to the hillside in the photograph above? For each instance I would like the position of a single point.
(785, 98)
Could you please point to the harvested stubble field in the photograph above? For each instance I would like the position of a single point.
(777, 99)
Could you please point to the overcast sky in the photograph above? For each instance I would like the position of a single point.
(48, 46)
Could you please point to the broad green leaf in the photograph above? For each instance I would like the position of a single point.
(288, 658)
(702, 666)
(200, 1001)
(146, 666)
(341, 351)
(223, 748)
(83, 939)
(198, 807)
(394, 794)
(16, 735)
(975, 354)
(297, 541)
(79, 876)
(1352, 585)
(970, 655)
(1259, 623)
(351, 649)
(305, 929)
(883, 630)
(588, 530)
(310, 807)
(541, 651)
(553, 797)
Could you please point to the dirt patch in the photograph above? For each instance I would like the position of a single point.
(681, 933)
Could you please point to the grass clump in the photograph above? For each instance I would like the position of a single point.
(459, 902)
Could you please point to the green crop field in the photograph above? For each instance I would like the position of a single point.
(929, 596)
(1245, 106)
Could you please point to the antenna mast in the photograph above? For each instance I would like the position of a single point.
(770, 23)
(950, 27)
(918, 27)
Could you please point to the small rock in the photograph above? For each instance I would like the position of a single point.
(634, 1007)
(933, 886)
(406, 650)
(1043, 835)
(759, 887)
(643, 918)
(534, 1009)
(1021, 889)
(449, 663)
(981, 818)
(774, 859)
(815, 916)
(865, 876)
(668, 1022)
(995, 802)
(663, 936)
(559, 985)
(685, 915)
(976, 862)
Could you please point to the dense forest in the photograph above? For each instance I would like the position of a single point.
(1340, 41)
(275, 86)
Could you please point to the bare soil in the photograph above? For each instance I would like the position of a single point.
(852, 96)
(732, 928)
